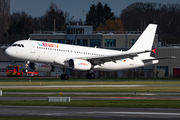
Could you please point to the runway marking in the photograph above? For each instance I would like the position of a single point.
(135, 113)
(145, 98)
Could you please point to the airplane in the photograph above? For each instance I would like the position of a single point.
(87, 58)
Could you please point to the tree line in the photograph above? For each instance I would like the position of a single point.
(134, 17)
(21, 24)
(138, 15)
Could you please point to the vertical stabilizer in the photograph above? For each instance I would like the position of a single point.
(145, 41)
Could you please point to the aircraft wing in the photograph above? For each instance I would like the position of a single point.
(97, 60)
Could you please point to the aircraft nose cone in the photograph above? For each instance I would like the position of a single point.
(8, 52)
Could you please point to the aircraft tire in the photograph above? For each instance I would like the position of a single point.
(64, 77)
(92, 75)
(88, 76)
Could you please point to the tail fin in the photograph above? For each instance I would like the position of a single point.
(145, 41)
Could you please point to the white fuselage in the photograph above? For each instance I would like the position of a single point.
(46, 52)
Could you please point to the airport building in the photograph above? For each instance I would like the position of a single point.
(117, 40)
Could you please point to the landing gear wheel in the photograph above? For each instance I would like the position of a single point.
(64, 77)
(90, 75)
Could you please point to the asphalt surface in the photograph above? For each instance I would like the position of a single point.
(92, 112)
(12, 98)
(90, 93)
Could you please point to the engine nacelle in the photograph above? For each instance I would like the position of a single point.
(39, 67)
(78, 64)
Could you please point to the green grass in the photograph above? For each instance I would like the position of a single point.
(102, 103)
(91, 83)
(95, 89)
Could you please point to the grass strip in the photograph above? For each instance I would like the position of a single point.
(102, 103)
(92, 83)
(95, 89)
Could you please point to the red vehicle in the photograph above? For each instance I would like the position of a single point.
(14, 70)
(32, 73)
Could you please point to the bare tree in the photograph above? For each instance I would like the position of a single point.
(68, 19)
(53, 13)
(138, 15)
(4, 18)
(21, 26)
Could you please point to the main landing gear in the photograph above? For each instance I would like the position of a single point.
(64, 76)
(90, 75)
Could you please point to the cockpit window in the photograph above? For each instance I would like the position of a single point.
(14, 45)
(18, 45)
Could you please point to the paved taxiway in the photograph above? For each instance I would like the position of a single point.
(15, 98)
(95, 112)
(146, 96)
(91, 112)
(90, 93)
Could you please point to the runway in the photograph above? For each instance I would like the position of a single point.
(92, 112)
(20, 98)
(75, 86)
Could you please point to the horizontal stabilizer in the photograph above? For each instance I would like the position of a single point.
(169, 57)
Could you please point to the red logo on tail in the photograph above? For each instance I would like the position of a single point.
(154, 50)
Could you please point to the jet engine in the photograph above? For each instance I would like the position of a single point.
(78, 64)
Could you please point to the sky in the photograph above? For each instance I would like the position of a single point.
(37, 8)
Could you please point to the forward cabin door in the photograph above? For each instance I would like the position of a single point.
(32, 47)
